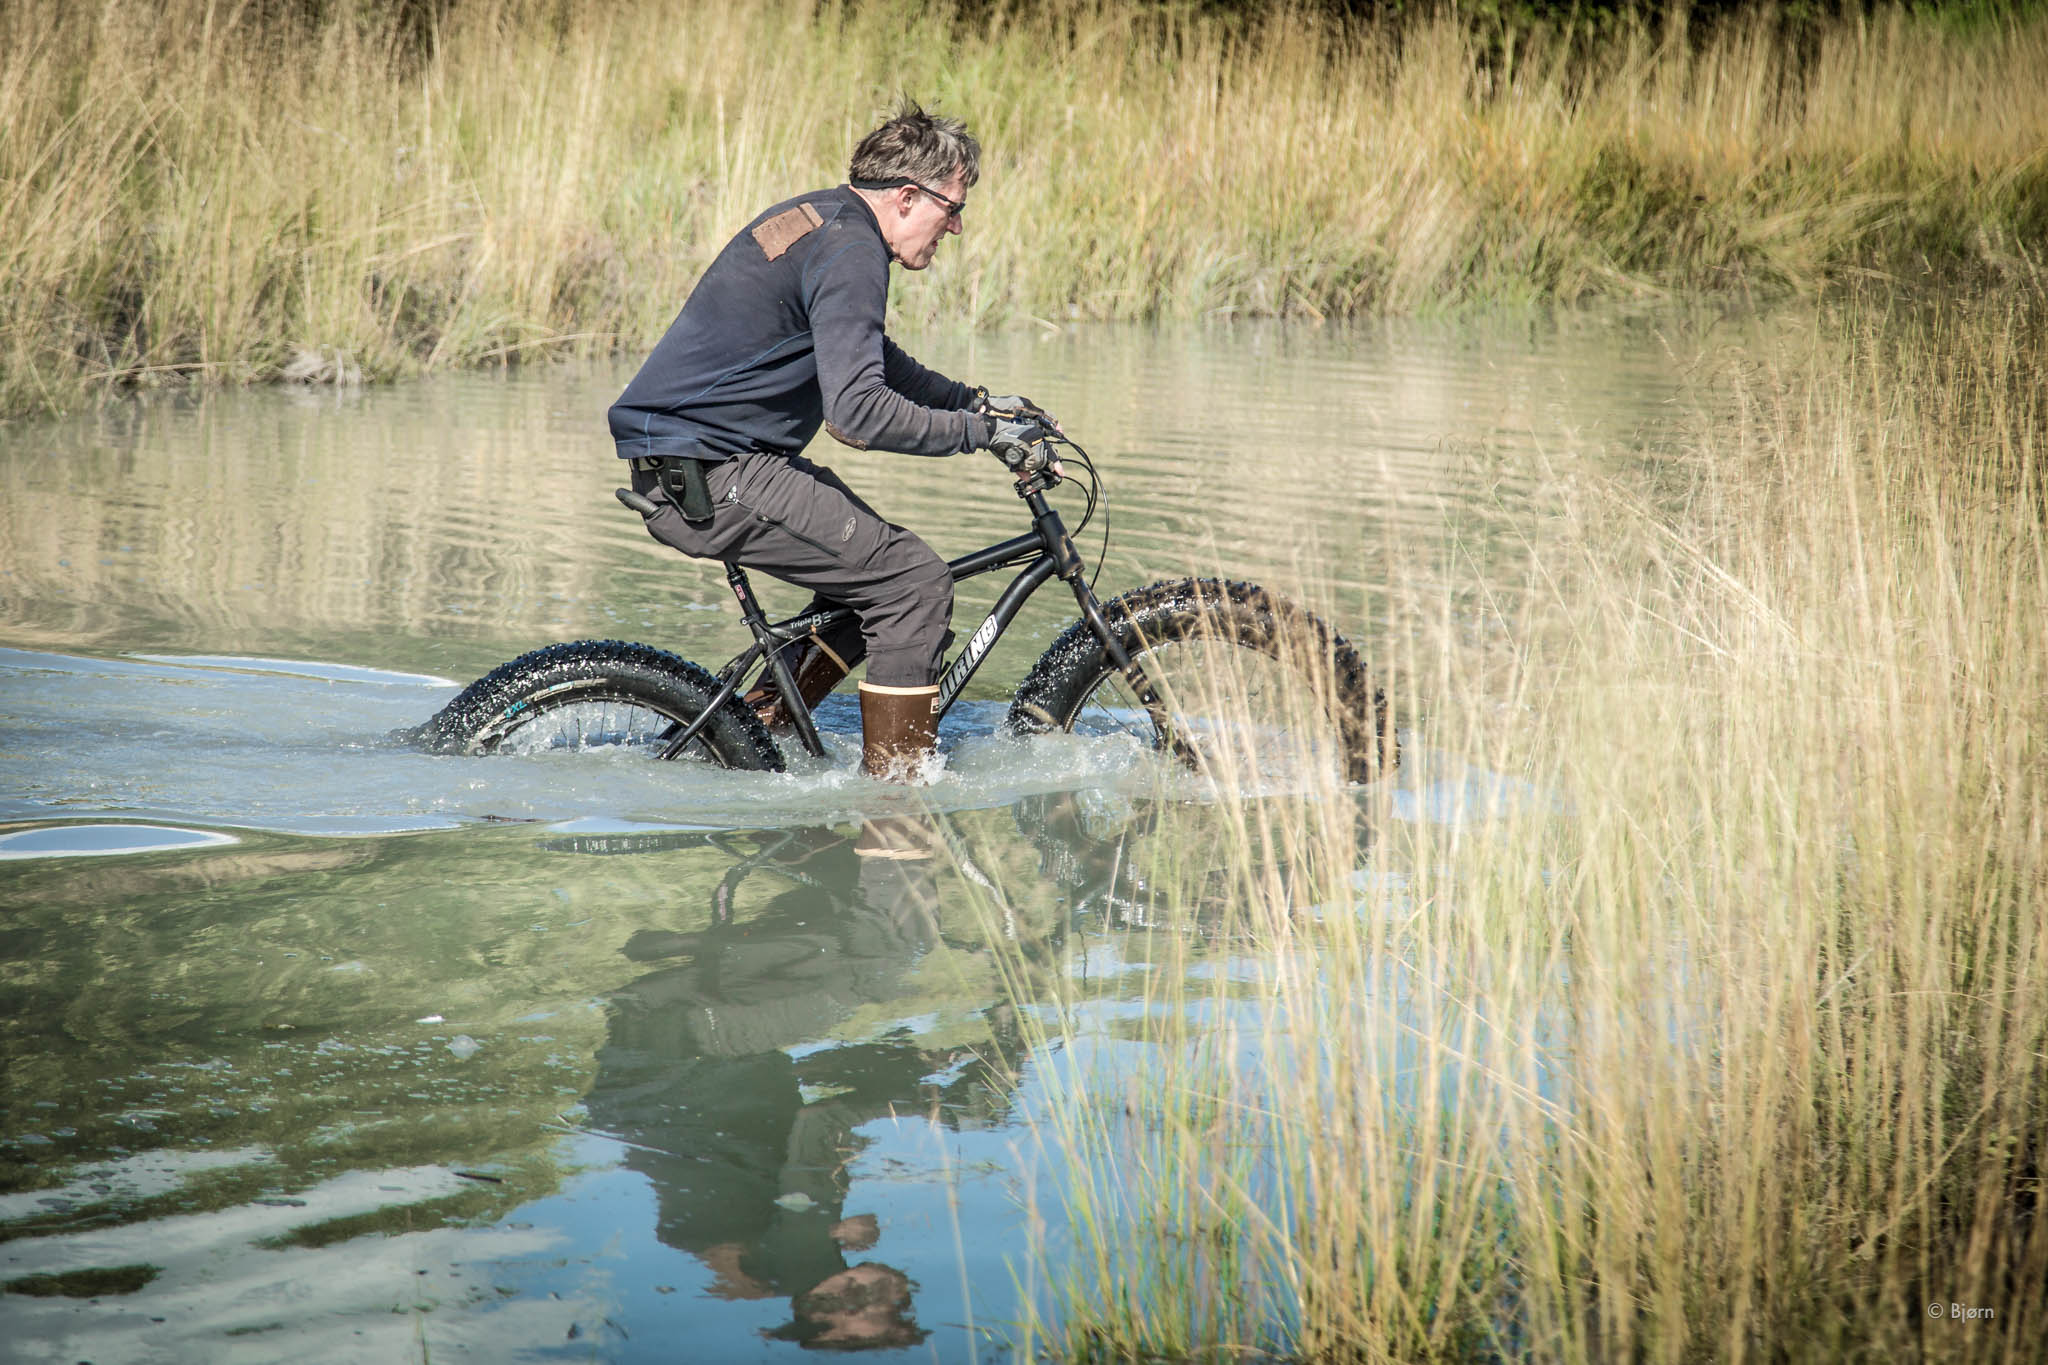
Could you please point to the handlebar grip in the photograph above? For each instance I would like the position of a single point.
(637, 502)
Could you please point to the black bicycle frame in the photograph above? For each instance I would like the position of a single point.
(1052, 554)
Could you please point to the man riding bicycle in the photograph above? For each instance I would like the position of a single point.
(783, 334)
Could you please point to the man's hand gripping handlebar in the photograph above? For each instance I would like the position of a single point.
(1025, 451)
(1021, 439)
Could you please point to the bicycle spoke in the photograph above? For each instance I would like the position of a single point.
(1168, 728)
(604, 723)
(1226, 711)
(1115, 709)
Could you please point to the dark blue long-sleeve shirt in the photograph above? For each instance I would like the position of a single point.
(784, 333)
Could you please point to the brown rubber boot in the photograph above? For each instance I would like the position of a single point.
(818, 669)
(898, 730)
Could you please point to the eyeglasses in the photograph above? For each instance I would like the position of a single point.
(953, 207)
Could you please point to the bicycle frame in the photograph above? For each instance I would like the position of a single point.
(1051, 554)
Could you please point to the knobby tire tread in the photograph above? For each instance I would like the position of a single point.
(735, 735)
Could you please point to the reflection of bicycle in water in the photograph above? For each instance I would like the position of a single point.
(1143, 862)
(1226, 676)
(718, 1074)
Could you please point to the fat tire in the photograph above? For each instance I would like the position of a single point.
(1244, 614)
(474, 723)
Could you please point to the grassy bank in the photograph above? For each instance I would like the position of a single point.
(191, 190)
(1714, 1024)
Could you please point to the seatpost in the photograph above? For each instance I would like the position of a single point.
(736, 579)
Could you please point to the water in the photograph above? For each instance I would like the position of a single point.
(361, 1053)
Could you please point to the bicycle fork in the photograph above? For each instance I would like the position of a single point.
(1066, 560)
(1067, 563)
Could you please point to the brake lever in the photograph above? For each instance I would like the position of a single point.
(1025, 412)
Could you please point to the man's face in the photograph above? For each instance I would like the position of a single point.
(917, 220)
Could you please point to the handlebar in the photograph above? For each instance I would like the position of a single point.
(1027, 458)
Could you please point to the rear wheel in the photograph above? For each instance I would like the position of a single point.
(1241, 685)
(599, 694)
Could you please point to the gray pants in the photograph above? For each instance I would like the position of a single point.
(798, 522)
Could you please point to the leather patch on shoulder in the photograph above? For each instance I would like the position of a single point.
(844, 439)
(786, 229)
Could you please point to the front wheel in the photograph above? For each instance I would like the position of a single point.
(1238, 683)
(598, 694)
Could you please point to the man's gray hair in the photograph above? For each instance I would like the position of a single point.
(914, 145)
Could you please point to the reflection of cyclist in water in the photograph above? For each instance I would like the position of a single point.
(746, 1144)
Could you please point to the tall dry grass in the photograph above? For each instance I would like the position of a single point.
(1705, 1016)
(203, 189)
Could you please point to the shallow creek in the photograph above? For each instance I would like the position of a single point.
(318, 1047)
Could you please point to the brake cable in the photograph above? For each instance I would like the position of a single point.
(1053, 436)
(1093, 483)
